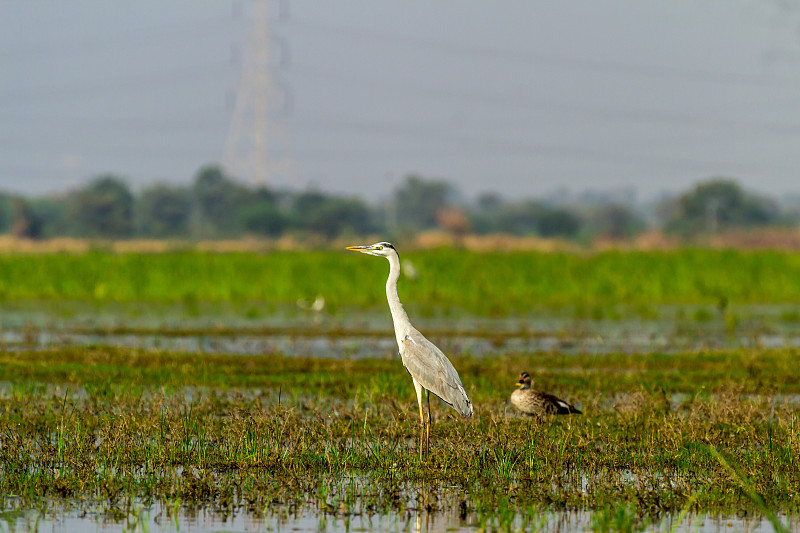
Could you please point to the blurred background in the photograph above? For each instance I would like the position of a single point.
(217, 119)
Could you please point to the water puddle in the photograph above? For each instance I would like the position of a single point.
(173, 518)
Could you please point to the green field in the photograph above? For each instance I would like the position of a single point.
(485, 284)
(118, 432)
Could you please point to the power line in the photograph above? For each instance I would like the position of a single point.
(470, 145)
(137, 151)
(125, 39)
(189, 122)
(523, 101)
(494, 54)
(155, 80)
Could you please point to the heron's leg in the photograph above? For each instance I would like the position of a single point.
(418, 387)
(428, 424)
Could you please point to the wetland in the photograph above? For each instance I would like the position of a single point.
(169, 404)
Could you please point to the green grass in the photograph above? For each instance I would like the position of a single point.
(488, 379)
(660, 434)
(703, 432)
(487, 284)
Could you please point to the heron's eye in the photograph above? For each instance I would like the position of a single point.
(379, 247)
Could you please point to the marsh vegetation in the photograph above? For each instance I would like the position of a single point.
(107, 428)
(134, 436)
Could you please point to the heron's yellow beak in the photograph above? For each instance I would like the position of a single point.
(359, 248)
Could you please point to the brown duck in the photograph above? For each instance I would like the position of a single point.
(537, 403)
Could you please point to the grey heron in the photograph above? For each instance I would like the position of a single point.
(534, 402)
(430, 369)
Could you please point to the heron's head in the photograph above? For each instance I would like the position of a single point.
(524, 380)
(381, 249)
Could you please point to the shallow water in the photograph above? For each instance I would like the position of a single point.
(141, 517)
(362, 334)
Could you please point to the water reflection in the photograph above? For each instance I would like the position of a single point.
(140, 517)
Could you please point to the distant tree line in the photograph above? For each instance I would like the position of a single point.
(214, 206)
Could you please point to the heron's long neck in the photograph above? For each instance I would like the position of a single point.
(399, 316)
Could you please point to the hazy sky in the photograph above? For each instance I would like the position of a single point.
(521, 97)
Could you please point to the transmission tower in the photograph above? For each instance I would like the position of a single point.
(258, 149)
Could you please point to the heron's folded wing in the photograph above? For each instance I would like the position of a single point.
(431, 368)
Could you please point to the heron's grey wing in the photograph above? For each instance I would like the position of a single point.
(431, 368)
